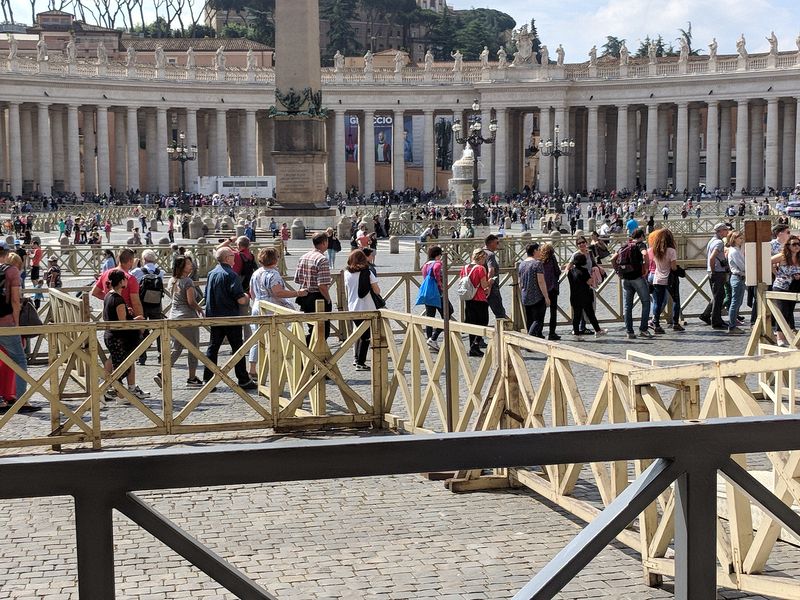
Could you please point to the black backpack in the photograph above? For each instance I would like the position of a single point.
(5, 297)
(151, 288)
(628, 259)
(249, 267)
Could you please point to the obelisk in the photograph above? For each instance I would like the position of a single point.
(299, 149)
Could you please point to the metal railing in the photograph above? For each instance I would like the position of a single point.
(686, 454)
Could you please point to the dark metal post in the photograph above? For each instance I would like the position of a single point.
(696, 534)
(448, 386)
(556, 156)
(475, 194)
(94, 534)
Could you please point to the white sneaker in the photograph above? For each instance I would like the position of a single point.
(433, 344)
(139, 392)
(600, 332)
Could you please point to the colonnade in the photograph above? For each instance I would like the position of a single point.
(721, 142)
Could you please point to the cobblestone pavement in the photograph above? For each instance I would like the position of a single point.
(390, 537)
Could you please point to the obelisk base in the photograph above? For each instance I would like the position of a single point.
(300, 160)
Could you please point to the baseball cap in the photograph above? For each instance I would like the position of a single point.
(4, 245)
(52, 259)
(720, 226)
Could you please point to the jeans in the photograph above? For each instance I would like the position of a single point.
(737, 294)
(12, 344)
(659, 301)
(430, 311)
(714, 309)
(234, 335)
(534, 317)
(629, 288)
(332, 257)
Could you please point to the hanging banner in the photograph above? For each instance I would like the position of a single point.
(351, 138)
(443, 130)
(413, 139)
(383, 139)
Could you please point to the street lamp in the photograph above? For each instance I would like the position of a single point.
(557, 149)
(179, 151)
(475, 140)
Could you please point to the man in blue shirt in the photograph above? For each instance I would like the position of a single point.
(632, 225)
(224, 295)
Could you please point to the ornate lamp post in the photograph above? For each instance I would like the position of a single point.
(179, 151)
(475, 140)
(557, 149)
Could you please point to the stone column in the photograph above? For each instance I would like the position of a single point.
(368, 151)
(428, 151)
(152, 156)
(192, 168)
(561, 118)
(757, 146)
(57, 142)
(120, 166)
(337, 149)
(3, 151)
(73, 181)
(592, 158)
(28, 160)
(162, 166)
(633, 146)
(501, 156)
(742, 146)
(103, 166)
(251, 156)
(89, 151)
(797, 144)
(787, 153)
(712, 145)
(545, 162)
(622, 148)
(725, 143)
(487, 151)
(45, 150)
(693, 171)
(132, 137)
(268, 132)
(14, 149)
(772, 158)
(213, 149)
(664, 118)
(652, 147)
(398, 158)
(681, 149)
(221, 147)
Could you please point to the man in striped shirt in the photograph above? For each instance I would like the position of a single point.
(314, 274)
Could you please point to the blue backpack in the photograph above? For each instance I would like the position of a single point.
(429, 293)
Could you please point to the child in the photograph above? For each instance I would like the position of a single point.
(38, 296)
(53, 274)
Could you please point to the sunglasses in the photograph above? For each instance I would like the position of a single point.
(793, 244)
(581, 243)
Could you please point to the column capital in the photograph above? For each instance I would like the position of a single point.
(713, 102)
(73, 106)
(43, 105)
(593, 107)
(428, 111)
(773, 101)
(653, 105)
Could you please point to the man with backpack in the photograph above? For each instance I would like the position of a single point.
(244, 265)
(631, 264)
(151, 292)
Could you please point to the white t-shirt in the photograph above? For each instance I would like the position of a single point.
(355, 303)
(661, 275)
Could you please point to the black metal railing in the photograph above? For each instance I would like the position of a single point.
(689, 454)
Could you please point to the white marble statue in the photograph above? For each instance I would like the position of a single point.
(12, 47)
(502, 58)
(545, 55)
(219, 59)
(773, 44)
(623, 55)
(741, 48)
(428, 61)
(251, 60)
(712, 49)
(338, 62)
(593, 56)
(684, 55)
(399, 62)
(72, 52)
(484, 56)
(41, 51)
(797, 42)
(102, 55)
(130, 59)
(161, 59)
(190, 60)
(523, 40)
(458, 59)
(368, 62)
(560, 55)
(652, 52)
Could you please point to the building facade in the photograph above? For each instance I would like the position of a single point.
(728, 122)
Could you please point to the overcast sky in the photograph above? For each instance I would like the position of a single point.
(632, 20)
(593, 20)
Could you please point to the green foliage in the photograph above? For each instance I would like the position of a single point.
(612, 46)
(199, 31)
(235, 30)
(339, 13)
(156, 29)
(469, 31)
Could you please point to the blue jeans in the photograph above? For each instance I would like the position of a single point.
(629, 288)
(12, 344)
(659, 302)
(737, 293)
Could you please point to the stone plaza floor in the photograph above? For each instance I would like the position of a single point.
(400, 537)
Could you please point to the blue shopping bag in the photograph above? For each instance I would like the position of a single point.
(429, 294)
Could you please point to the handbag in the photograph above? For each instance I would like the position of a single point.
(378, 300)
(28, 316)
(429, 293)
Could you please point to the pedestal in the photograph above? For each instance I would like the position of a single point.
(300, 159)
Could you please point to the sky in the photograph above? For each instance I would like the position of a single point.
(558, 21)
(632, 20)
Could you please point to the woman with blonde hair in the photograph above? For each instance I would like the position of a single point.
(476, 309)
(735, 255)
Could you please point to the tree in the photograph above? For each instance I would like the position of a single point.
(643, 47)
(612, 46)
(687, 33)
(537, 43)
(339, 13)
(443, 35)
(200, 31)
